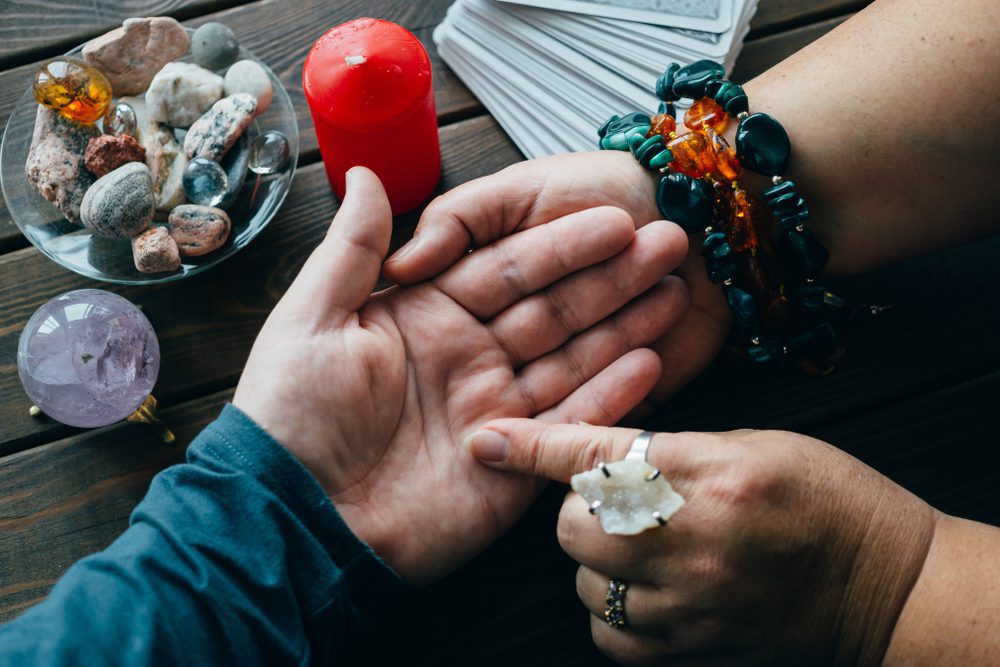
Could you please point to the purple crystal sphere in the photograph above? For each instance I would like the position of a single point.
(88, 358)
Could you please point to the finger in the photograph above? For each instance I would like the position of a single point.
(646, 606)
(492, 278)
(542, 322)
(559, 451)
(629, 648)
(611, 394)
(555, 376)
(341, 273)
(477, 213)
(631, 557)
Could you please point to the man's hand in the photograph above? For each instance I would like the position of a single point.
(375, 393)
(787, 551)
(534, 193)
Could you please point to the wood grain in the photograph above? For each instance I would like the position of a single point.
(914, 399)
(761, 54)
(784, 15)
(33, 29)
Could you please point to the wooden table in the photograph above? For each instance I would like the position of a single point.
(916, 400)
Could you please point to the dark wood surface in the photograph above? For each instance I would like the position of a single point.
(916, 399)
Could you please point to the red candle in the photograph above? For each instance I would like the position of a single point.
(368, 85)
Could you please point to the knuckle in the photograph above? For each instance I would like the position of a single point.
(711, 567)
(581, 584)
(566, 529)
(615, 215)
(597, 448)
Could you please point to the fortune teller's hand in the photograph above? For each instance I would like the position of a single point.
(787, 551)
(374, 394)
(537, 192)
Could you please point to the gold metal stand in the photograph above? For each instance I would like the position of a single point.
(147, 414)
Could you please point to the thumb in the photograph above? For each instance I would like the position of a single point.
(342, 272)
(554, 451)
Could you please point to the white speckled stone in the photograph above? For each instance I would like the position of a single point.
(246, 76)
(215, 133)
(164, 157)
(181, 92)
(628, 497)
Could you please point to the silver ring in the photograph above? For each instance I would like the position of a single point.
(640, 447)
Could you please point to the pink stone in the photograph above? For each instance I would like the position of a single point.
(131, 55)
(55, 167)
(155, 251)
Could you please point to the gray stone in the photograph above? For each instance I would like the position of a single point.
(198, 230)
(129, 56)
(155, 251)
(214, 45)
(214, 133)
(55, 165)
(181, 92)
(246, 76)
(120, 204)
(235, 165)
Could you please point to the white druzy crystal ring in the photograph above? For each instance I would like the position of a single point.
(628, 496)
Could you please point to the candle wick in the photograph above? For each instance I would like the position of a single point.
(355, 60)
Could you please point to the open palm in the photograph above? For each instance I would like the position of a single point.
(532, 193)
(375, 394)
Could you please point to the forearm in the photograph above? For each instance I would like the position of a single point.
(237, 557)
(952, 616)
(891, 117)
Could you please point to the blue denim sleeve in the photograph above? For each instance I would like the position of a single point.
(236, 557)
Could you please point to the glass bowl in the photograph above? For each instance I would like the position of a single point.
(110, 260)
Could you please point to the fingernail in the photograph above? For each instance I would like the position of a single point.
(488, 446)
(404, 251)
(348, 177)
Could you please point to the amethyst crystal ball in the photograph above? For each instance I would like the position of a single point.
(88, 358)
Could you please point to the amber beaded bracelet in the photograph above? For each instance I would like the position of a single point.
(767, 262)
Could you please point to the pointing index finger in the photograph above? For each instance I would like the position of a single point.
(559, 451)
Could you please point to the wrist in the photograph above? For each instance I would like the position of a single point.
(887, 562)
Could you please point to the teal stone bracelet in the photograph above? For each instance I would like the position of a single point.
(696, 195)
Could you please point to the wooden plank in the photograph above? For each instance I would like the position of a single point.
(222, 309)
(775, 16)
(256, 25)
(73, 497)
(34, 29)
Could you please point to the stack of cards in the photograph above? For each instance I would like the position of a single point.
(552, 71)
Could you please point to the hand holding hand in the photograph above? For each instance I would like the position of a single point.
(536, 192)
(375, 393)
(787, 551)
